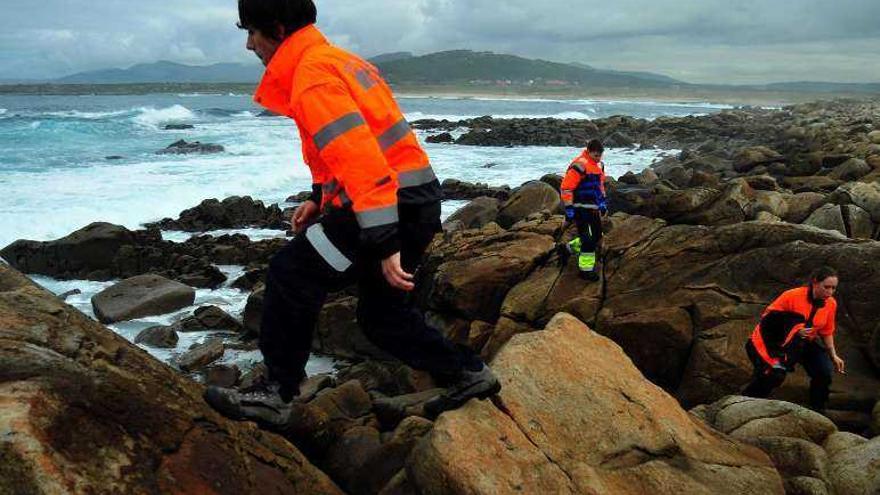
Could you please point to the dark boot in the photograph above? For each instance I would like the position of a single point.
(468, 385)
(261, 403)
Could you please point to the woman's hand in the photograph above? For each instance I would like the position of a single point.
(839, 364)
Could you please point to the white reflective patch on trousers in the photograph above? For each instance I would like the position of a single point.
(331, 254)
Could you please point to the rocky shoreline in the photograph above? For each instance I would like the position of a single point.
(598, 377)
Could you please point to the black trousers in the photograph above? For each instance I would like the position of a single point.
(589, 228)
(302, 274)
(816, 362)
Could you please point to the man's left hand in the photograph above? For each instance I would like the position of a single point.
(395, 275)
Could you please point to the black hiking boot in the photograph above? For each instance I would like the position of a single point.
(469, 385)
(261, 403)
(589, 275)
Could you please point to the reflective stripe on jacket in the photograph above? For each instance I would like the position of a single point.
(357, 143)
(584, 183)
(792, 311)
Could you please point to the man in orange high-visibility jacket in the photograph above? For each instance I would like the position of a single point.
(798, 327)
(583, 194)
(374, 209)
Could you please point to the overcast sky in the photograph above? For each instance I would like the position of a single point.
(701, 41)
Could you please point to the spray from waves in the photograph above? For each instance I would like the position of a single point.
(651, 103)
(413, 116)
(153, 117)
(76, 114)
(3, 111)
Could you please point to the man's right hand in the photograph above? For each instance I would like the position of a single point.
(303, 215)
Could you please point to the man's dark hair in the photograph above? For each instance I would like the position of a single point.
(266, 15)
(595, 146)
(821, 273)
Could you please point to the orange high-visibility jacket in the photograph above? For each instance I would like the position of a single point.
(800, 302)
(584, 183)
(356, 141)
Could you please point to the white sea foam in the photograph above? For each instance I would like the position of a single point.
(153, 117)
(252, 234)
(413, 116)
(77, 114)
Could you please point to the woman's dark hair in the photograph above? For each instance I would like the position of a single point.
(595, 146)
(821, 273)
(266, 15)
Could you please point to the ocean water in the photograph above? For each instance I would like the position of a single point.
(55, 175)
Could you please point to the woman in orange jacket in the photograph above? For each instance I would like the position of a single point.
(798, 327)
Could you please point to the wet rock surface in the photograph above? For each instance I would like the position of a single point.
(182, 147)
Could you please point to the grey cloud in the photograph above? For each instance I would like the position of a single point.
(737, 41)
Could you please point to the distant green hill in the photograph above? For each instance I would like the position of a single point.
(162, 71)
(391, 57)
(462, 69)
(469, 67)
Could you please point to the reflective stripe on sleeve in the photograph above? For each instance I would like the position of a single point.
(337, 128)
(363, 77)
(394, 134)
(377, 217)
(412, 178)
(331, 254)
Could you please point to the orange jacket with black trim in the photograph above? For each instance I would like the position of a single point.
(771, 338)
(359, 147)
(583, 185)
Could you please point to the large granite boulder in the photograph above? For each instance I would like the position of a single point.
(747, 159)
(88, 252)
(827, 217)
(718, 364)
(747, 418)
(852, 169)
(532, 197)
(475, 214)
(137, 297)
(853, 469)
(865, 196)
(801, 205)
(575, 416)
(470, 274)
(84, 411)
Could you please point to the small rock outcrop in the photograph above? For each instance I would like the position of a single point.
(140, 296)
